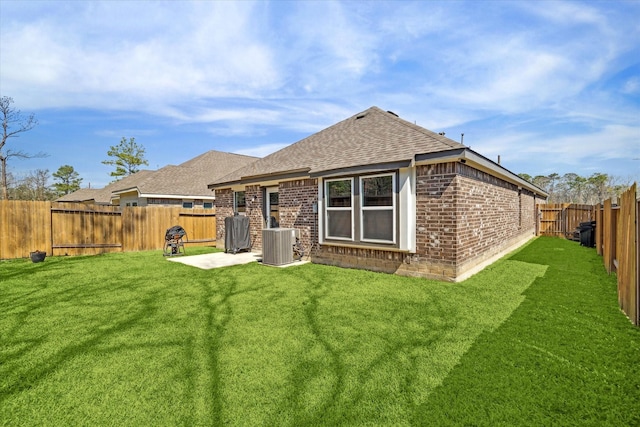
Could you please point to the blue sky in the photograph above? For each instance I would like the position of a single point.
(549, 86)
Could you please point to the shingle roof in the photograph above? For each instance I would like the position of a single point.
(103, 195)
(371, 137)
(187, 179)
(191, 177)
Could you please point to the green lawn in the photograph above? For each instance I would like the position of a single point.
(132, 339)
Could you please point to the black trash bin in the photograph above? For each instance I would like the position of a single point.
(587, 234)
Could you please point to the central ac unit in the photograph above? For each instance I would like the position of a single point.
(277, 245)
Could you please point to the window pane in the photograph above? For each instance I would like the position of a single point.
(339, 194)
(378, 191)
(339, 224)
(377, 225)
(240, 200)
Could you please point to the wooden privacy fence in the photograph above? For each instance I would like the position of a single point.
(617, 240)
(562, 219)
(80, 229)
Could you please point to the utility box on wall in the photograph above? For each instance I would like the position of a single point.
(277, 245)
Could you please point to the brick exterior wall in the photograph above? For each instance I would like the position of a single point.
(296, 209)
(296, 200)
(464, 218)
(224, 208)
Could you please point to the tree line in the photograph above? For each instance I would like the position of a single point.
(573, 188)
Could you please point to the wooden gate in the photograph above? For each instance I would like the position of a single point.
(562, 219)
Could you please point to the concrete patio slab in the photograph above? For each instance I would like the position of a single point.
(222, 259)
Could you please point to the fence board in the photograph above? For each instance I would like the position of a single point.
(562, 219)
(599, 229)
(81, 229)
(626, 247)
(24, 228)
(200, 225)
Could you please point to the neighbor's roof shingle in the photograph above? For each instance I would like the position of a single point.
(187, 179)
(191, 177)
(103, 195)
(368, 138)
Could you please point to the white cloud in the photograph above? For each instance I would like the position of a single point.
(250, 69)
(631, 86)
(216, 54)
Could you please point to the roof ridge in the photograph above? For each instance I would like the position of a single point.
(441, 138)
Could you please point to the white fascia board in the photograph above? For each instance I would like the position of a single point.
(486, 165)
(126, 190)
(176, 196)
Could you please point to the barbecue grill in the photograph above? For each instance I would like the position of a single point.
(173, 241)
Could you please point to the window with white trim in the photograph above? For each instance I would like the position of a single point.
(378, 209)
(362, 209)
(339, 209)
(239, 202)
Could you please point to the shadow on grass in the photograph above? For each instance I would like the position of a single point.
(312, 345)
(373, 363)
(566, 356)
(21, 378)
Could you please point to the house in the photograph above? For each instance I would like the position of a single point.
(183, 185)
(377, 192)
(102, 196)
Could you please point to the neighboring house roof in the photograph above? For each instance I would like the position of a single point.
(189, 179)
(371, 139)
(103, 195)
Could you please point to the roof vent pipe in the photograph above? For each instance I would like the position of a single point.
(462, 138)
(498, 158)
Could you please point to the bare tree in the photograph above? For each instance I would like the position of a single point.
(13, 124)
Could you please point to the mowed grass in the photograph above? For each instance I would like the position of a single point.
(132, 339)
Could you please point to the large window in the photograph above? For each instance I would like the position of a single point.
(361, 208)
(378, 219)
(339, 195)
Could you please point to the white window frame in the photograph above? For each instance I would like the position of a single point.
(235, 203)
(267, 205)
(329, 209)
(392, 208)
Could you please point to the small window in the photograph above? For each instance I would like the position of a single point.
(207, 205)
(339, 209)
(239, 202)
(187, 205)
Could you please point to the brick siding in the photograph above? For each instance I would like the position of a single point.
(464, 217)
(296, 200)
